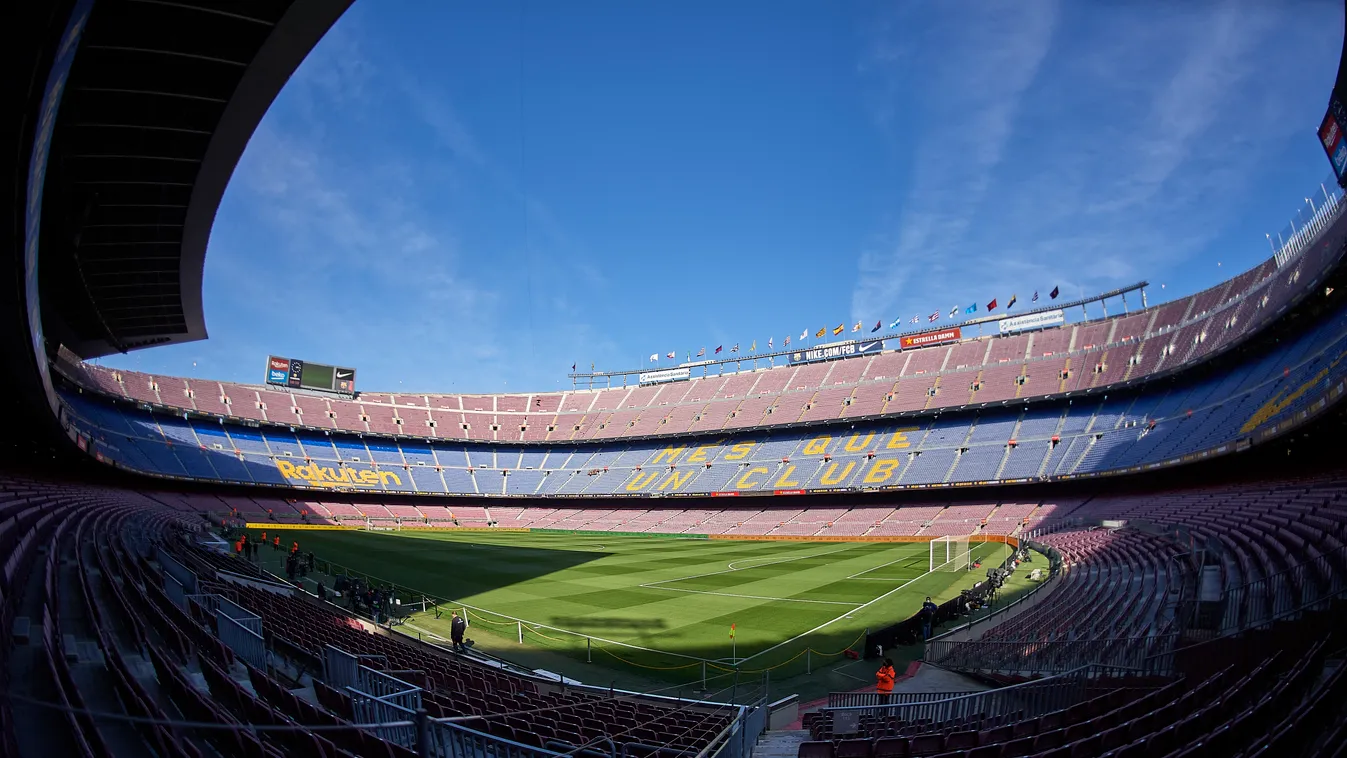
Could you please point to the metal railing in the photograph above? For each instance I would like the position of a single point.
(1285, 594)
(1314, 216)
(1143, 655)
(980, 710)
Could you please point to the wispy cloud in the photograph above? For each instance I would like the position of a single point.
(973, 90)
(1089, 159)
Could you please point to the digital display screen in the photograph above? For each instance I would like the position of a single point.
(297, 374)
(316, 376)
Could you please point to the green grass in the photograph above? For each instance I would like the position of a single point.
(648, 607)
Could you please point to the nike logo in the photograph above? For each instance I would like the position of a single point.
(344, 374)
(868, 345)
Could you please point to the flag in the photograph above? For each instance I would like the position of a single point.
(916, 319)
(1034, 299)
(1055, 291)
(591, 367)
(787, 342)
(992, 305)
(669, 355)
(572, 367)
(821, 332)
(735, 349)
(769, 342)
(1011, 304)
(954, 311)
(654, 357)
(934, 316)
(839, 329)
(971, 309)
(896, 322)
(718, 349)
(732, 628)
(856, 327)
(804, 335)
(701, 352)
(754, 347)
(878, 324)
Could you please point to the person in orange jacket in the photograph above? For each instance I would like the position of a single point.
(885, 677)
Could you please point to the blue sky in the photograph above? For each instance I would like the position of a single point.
(470, 197)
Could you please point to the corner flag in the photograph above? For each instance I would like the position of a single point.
(732, 626)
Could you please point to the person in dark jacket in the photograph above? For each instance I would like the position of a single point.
(457, 626)
(928, 610)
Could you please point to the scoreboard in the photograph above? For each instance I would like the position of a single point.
(1332, 138)
(297, 374)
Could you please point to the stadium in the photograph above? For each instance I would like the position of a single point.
(1100, 526)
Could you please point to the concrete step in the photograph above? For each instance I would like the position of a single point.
(781, 743)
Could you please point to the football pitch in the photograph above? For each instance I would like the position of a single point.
(668, 608)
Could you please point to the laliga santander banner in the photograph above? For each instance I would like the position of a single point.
(953, 334)
(313, 475)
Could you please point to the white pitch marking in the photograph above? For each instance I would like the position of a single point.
(860, 574)
(732, 568)
(755, 597)
(833, 621)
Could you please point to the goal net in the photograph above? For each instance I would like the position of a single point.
(950, 554)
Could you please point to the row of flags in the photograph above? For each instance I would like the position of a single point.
(856, 327)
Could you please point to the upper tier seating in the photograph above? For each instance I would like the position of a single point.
(1073, 358)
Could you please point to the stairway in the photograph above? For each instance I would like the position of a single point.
(781, 743)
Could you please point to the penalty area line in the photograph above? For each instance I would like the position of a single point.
(754, 597)
(833, 621)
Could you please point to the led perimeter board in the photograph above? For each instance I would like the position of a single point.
(297, 374)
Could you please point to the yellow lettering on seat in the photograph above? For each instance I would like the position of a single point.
(899, 440)
(744, 483)
(699, 455)
(384, 476)
(642, 480)
(671, 452)
(785, 480)
(818, 445)
(676, 479)
(287, 469)
(828, 476)
(740, 451)
(882, 470)
(856, 444)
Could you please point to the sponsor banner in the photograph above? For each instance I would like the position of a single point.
(850, 538)
(787, 492)
(835, 351)
(278, 370)
(1330, 136)
(313, 475)
(273, 526)
(724, 494)
(952, 334)
(1033, 321)
(345, 380)
(665, 375)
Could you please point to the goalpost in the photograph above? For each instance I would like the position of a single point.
(950, 554)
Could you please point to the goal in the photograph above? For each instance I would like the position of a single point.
(950, 554)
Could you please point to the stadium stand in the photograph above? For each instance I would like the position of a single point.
(1144, 426)
(1127, 349)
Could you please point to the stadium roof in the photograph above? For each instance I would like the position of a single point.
(161, 101)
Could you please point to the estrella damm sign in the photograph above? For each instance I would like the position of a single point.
(328, 476)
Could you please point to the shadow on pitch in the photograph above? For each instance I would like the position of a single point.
(593, 624)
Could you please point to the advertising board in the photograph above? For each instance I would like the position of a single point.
(297, 374)
(952, 334)
(664, 375)
(1330, 136)
(836, 350)
(1033, 321)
